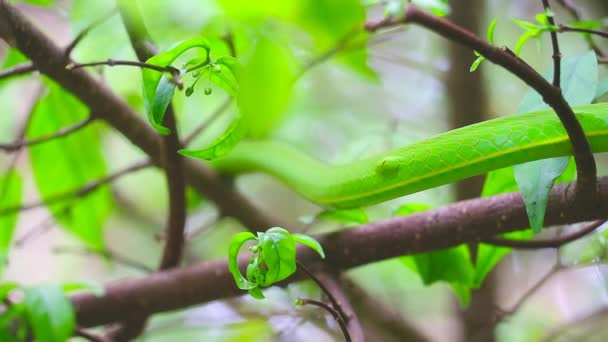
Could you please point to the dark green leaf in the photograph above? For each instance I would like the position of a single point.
(10, 196)
(235, 245)
(222, 145)
(49, 313)
(452, 265)
(278, 253)
(70, 163)
(309, 242)
(155, 90)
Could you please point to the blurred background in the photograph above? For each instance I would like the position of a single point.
(415, 85)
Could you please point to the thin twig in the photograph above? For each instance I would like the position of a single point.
(79, 192)
(557, 56)
(86, 30)
(332, 311)
(322, 286)
(59, 134)
(108, 254)
(576, 14)
(565, 28)
(111, 62)
(547, 243)
(210, 120)
(17, 70)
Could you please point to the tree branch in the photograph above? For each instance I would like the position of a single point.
(570, 6)
(548, 243)
(585, 164)
(565, 28)
(436, 229)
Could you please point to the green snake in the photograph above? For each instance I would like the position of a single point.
(439, 160)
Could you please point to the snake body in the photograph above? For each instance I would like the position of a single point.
(439, 160)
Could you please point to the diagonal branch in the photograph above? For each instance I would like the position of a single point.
(17, 70)
(59, 134)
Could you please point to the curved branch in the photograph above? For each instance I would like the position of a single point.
(332, 311)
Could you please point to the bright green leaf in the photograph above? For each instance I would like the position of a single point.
(70, 163)
(157, 93)
(476, 63)
(411, 208)
(49, 313)
(278, 253)
(6, 288)
(490, 33)
(96, 288)
(437, 7)
(224, 76)
(222, 145)
(236, 243)
(10, 196)
(309, 242)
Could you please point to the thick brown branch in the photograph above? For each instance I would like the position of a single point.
(436, 229)
(585, 163)
(548, 243)
(59, 134)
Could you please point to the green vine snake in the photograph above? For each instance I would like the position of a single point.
(439, 160)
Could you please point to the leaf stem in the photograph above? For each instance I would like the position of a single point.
(332, 311)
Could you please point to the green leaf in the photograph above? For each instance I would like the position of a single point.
(69, 163)
(224, 76)
(10, 196)
(535, 179)
(94, 287)
(222, 145)
(411, 208)
(476, 63)
(266, 87)
(278, 253)
(309, 242)
(160, 102)
(490, 33)
(451, 265)
(39, 2)
(437, 7)
(236, 243)
(49, 313)
(499, 182)
(356, 215)
(157, 93)
(6, 288)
